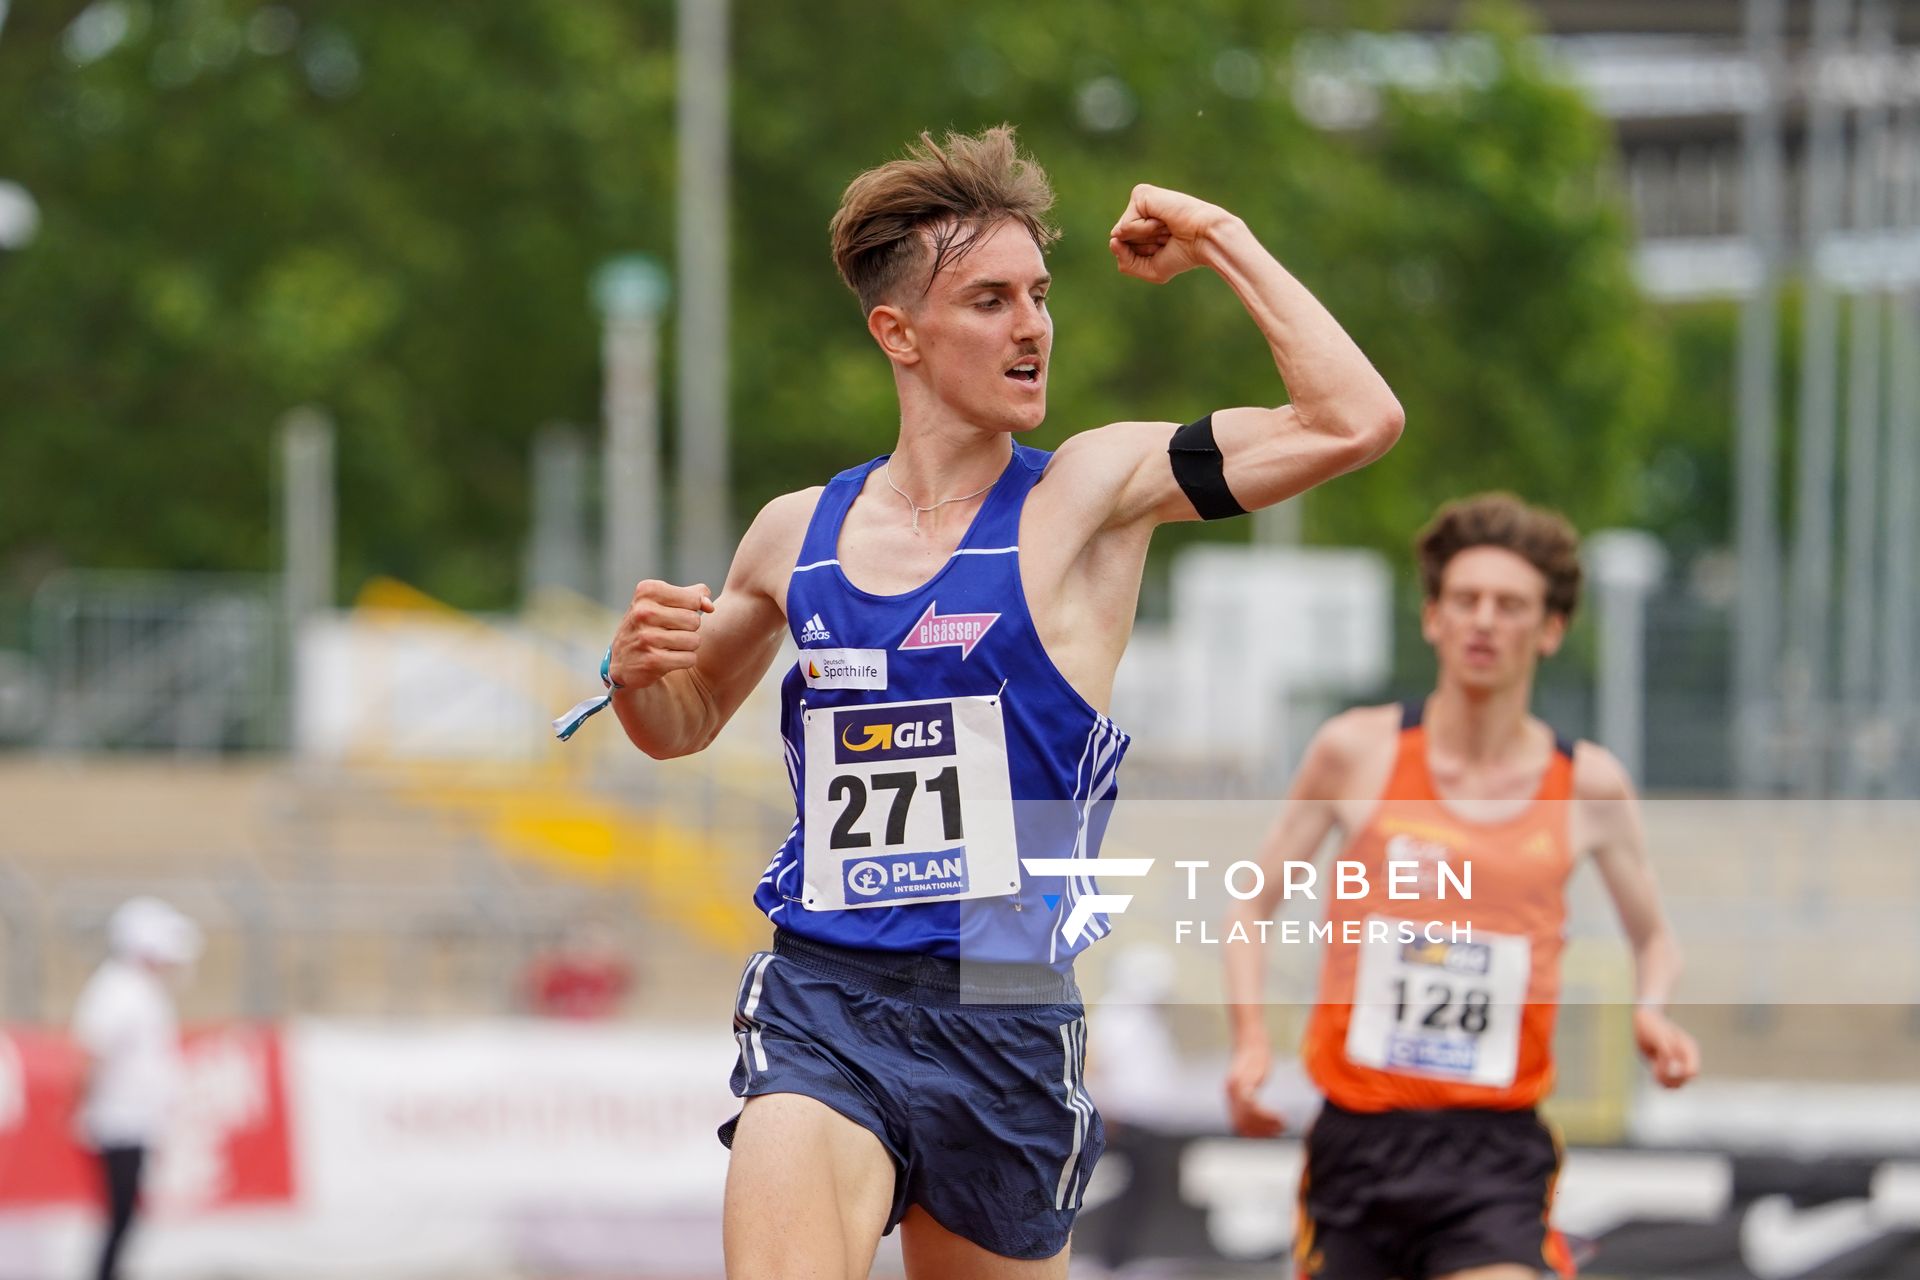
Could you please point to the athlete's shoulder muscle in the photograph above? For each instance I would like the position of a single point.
(1598, 774)
(1324, 796)
(1350, 756)
(1606, 809)
(1101, 469)
(771, 545)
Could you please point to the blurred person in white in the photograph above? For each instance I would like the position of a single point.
(125, 1024)
(1135, 1057)
(1134, 1065)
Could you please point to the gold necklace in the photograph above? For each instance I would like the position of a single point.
(886, 471)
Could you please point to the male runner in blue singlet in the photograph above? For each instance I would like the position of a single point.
(960, 606)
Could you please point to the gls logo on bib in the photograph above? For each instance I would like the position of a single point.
(844, 668)
(909, 733)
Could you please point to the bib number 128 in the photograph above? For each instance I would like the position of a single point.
(1434, 1008)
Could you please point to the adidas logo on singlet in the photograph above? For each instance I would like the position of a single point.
(813, 629)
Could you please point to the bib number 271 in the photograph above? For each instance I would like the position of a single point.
(849, 789)
(907, 802)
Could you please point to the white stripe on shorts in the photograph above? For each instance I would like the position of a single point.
(751, 984)
(1069, 1046)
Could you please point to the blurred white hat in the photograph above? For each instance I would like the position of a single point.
(151, 930)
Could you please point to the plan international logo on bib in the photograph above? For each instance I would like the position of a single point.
(908, 875)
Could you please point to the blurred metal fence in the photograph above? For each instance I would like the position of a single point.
(199, 664)
(1689, 699)
(175, 661)
(281, 946)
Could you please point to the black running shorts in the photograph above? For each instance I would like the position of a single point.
(1412, 1195)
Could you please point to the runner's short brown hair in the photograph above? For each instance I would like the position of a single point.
(952, 191)
(1542, 537)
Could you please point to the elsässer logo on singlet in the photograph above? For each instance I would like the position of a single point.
(961, 631)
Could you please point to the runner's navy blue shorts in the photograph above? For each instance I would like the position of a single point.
(969, 1076)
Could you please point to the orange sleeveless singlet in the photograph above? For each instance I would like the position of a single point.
(1518, 868)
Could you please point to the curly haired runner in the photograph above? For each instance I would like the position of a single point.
(1427, 1161)
(911, 1045)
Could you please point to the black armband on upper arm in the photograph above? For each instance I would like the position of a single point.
(1200, 471)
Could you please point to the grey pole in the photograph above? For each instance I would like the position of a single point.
(704, 521)
(25, 919)
(630, 292)
(1898, 598)
(1805, 680)
(1627, 565)
(307, 516)
(1756, 537)
(1902, 521)
(559, 545)
(1863, 417)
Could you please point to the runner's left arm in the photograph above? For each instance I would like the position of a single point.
(1306, 819)
(1608, 813)
(1341, 414)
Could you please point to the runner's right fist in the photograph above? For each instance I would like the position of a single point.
(1671, 1052)
(660, 633)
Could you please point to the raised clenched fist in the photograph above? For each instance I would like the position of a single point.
(1163, 233)
(660, 633)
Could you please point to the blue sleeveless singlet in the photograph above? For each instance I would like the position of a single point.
(965, 633)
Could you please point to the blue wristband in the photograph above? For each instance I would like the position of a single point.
(581, 712)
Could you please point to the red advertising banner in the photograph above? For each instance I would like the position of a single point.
(227, 1145)
(40, 1163)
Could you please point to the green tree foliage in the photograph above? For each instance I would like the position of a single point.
(1490, 274)
(393, 210)
(1469, 240)
(389, 210)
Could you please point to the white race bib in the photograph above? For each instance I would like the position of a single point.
(907, 802)
(1443, 1010)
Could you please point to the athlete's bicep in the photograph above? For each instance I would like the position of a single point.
(1270, 455)
(1264, 457)
(742, 635)
(1309, 813)
(1609, 826)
